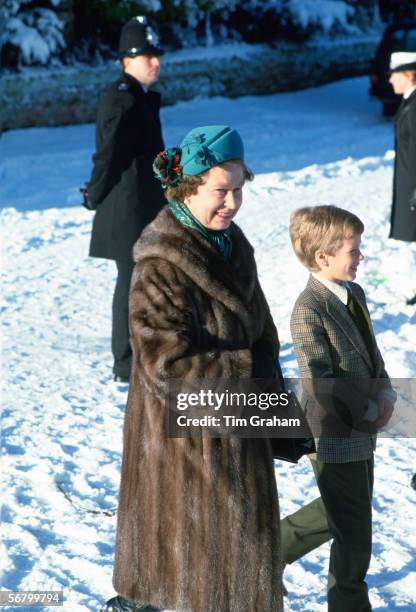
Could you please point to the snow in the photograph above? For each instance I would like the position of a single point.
(38, 33)
(322, 13)
(62, 415)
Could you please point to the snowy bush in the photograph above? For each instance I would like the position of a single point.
(121, 10)
(34, 32)
(295, 20)
(309, 15)
(321, 14)
(31, 31)
(196, 20)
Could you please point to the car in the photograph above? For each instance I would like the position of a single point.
(400, 36)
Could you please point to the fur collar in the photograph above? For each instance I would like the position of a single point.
(232, 283)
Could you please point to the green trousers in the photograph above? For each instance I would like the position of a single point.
(343, 513)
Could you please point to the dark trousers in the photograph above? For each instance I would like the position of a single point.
(343, 513)
(120, 337)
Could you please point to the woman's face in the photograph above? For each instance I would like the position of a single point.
(218, 200)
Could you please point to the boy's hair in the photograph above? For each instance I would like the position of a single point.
(321, 228)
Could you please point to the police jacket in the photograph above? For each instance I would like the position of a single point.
(122, 188)
(403, 215)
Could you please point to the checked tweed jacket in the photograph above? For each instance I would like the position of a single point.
(327, 344)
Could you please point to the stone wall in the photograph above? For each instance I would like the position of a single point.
(40, 97)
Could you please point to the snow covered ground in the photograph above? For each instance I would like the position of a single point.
(62, 414)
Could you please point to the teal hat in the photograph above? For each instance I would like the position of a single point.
(210, 145)
(201, 149)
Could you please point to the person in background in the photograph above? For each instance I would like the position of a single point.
(403, 214)
(122, 189)
(198, 518)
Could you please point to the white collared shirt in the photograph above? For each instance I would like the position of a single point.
(340, 290)
(409, 92)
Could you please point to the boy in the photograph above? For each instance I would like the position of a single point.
(333, 339)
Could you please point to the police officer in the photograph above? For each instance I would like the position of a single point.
(122, 189)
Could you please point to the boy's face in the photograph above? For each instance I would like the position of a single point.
(342, 266)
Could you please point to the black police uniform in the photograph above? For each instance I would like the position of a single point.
(403, 215)
(124, 191)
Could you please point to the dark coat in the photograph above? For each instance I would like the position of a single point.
(198, 519)
(403, 220)
(122, 187)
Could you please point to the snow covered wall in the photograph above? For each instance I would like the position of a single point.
(41, 97)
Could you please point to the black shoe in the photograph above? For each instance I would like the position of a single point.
(121, 379)
(121, 604)
(413, 482)
(411, 301)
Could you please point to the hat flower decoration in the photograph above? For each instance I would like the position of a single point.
(167, 167)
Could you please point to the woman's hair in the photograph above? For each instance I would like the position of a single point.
(321, 228)
(188, 185)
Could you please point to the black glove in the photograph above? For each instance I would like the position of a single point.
(85, 199)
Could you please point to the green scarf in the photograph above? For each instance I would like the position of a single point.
(220, 239)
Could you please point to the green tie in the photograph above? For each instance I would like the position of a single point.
(357, 314)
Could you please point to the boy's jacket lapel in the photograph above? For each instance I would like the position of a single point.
(339, 313)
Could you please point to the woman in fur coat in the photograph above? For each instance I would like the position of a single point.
(198, 518)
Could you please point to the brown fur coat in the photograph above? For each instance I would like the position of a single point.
(198, 519)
